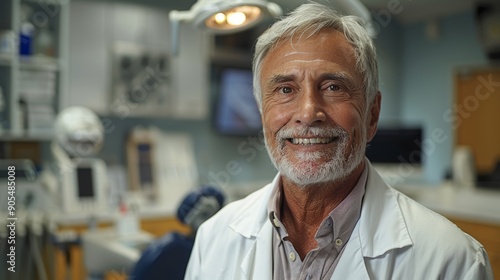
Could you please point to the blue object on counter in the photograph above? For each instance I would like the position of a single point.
(26, 39)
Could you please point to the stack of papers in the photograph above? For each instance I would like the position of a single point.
(38, 92)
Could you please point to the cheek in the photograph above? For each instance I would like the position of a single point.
(274, 118)
(351, 121)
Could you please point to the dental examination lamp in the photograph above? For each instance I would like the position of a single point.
(222, 16)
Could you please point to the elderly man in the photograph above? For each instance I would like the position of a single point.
(327, 214)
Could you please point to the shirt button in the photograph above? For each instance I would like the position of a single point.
(276, 222)
(338, 242)
(308, 277)
(292, 257)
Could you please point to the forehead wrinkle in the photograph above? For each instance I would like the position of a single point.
(296, 73)
(308, 60)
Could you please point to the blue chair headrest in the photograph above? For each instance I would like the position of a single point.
(199, 205)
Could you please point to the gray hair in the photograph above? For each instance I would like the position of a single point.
(308, 20)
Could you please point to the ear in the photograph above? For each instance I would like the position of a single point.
(373, 116)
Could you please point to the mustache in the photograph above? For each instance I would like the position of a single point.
(311, 131)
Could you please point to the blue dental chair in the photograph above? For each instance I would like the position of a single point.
(168, 256)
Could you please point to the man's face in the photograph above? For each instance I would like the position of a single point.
(314, 112)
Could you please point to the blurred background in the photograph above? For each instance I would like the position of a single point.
(112, 112)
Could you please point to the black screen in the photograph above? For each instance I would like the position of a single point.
(396, 145)
(85, 182)
(145, 165)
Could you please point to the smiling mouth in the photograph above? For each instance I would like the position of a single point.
(312, 141)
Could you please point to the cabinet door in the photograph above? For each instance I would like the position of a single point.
(89, 68)
(98, 29)
(477, 116)
(32, 66)
(7, 46)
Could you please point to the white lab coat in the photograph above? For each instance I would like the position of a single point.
(395, 238)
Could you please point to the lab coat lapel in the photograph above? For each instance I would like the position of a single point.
(380, 228)
(257, 263)
(351, 265)
(253, 225)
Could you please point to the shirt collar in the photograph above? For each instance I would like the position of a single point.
(347, 213)
(344, 216)
(273, 206)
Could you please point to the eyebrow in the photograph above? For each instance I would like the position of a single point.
(340, 76)
(276, 79)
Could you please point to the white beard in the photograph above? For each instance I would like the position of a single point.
(306, 172)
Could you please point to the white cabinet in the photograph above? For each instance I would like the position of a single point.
(106, 38)
(33, 66)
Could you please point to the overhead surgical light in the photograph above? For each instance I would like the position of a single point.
(223, 16)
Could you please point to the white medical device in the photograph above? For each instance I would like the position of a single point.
(107, 250)
(81, 179)
(161, 166)
(83, 186)
(463, 166)
(142, 158)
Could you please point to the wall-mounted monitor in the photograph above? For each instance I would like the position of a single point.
(396, 145)
(235, 109)
(141, 161)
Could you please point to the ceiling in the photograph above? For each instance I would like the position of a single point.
(412, 10)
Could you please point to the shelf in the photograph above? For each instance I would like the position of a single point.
(50, 2)
(32, 62)
(5, 59)
(6, 135)
(39, 63)
(38, 80)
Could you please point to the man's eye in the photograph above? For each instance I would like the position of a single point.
(333, 87)
(285, 90)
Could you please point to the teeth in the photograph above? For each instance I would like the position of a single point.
(310, 141)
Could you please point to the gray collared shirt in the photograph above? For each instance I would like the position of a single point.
(331, 237)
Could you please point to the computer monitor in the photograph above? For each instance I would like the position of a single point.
(396, 145)
(85, 181)
(84, 186)
(236, 111)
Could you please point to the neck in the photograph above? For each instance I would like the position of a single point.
(304, 208)
(315, 202)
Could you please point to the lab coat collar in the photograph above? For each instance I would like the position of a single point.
(382, 226)
(252, 218)
(252, 223)
(257, 263)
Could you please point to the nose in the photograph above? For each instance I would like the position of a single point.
(310, 108)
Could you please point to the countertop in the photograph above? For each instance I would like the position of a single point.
(466, 203)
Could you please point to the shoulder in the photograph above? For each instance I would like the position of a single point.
(221, 240)
(431, 228)
(424, 242)
(439, 243)
(424, 227)
(246, 209)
